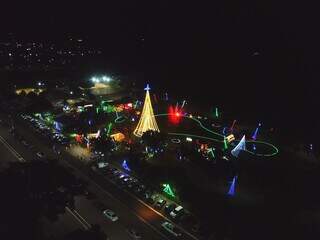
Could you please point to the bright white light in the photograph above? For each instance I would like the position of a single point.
(94, 79)
(71, 92)
(100, 79)
(39, 83)
(106, 79)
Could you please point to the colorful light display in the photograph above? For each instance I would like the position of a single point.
(254, 136)
(175, 115)
(230, 138)
(225, 143)
(224, 131)
(217, 113)
(79, 138)
(232, 126)
(57, 126)
(147, 120)
(117, 137)
(136, 104)
(109, 129)
(210, 151)
(183, 103)
(240, 147)
(168, 190)
(155, 98)
(231, 191)
(125, 166)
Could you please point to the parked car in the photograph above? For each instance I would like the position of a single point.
(110, 215)
(177, 212)
(139, 189)
(122, 176)
(169, 208)
(159, 204)
(149, 200)
(131, 183)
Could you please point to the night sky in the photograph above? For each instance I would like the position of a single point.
(258, 57)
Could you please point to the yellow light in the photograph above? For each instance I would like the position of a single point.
(118, 137)
(147, 120)
(230, 138)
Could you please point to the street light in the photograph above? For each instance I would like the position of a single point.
(100, 79)
(94, 79)
(106, 79)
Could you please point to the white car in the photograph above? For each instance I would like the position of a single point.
(102, 164)
(178, 211)
(111, 215)
(169, 227)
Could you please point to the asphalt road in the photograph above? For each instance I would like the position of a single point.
(6, 155)
(66, 223)
(131, 211)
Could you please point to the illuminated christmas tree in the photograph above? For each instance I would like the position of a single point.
(147, 120)
(240, 147)
(254, 136)
(231, 191)
(167, 189)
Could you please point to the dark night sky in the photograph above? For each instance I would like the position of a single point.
(188, 42)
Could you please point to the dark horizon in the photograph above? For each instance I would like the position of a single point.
(214, 50)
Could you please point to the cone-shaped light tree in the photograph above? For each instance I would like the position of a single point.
(147, 120)
(240, 147)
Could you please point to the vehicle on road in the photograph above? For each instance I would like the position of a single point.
(169, 227)
(133, 233)
(40, 154)
(102, 164)
(110, 215)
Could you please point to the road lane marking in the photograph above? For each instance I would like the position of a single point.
(12, 150)
(80, 219)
